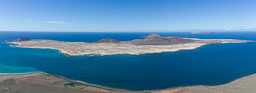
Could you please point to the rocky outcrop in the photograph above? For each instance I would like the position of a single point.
(22, 39)
(155, 39)
(108, 41)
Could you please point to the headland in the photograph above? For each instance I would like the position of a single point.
(39, 82)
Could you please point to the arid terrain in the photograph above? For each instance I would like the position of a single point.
(243, 85)
(153, 43)
(44, 83)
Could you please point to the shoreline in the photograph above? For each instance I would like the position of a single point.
(68, 54)
(73, 80)
(70, 47)
(167, 90)
(108, 49)
(87, 84)
(228, 87)
(20, 73)
(61, 51)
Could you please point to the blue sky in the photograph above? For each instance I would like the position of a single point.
(127, 15)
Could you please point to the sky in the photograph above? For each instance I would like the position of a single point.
(127, 15)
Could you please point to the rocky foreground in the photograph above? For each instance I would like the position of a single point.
(44, 83)
(243, 85)
(153, 43)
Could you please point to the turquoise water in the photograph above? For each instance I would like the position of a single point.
(16, 69)
(208, 65)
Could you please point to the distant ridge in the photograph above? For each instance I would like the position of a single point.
(156, 39)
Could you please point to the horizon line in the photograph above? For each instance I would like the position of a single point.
(217, 30)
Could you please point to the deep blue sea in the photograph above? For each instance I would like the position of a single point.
(208, 65)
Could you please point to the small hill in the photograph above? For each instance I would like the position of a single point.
(108, 41)
(22, 39)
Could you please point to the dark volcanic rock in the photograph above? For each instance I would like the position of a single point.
(108, 41)
(22, 39)
(155, 39)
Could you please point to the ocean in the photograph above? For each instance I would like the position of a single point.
(208, 65)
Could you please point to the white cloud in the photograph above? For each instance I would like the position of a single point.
(55, 22)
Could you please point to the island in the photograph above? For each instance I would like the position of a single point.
(152, 43)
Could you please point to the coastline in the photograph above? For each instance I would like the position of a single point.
(87, 84)
(20, 76)
(68, 54)
(230, 87)
(243, 84)
(76, 81)
(173, 90)
(106, 49)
